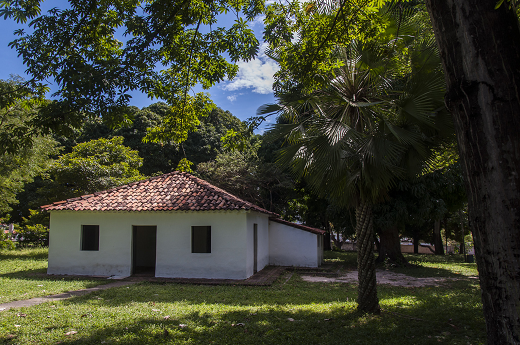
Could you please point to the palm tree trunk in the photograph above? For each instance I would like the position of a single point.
(367, 289)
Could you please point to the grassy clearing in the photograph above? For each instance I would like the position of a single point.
(23, 276)
(289, 312)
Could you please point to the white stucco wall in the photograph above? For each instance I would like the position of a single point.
(228, 259)
(262, 221)
(289, 246)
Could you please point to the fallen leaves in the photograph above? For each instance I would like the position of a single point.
(71, 333)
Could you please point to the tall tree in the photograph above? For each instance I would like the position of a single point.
(365, 130)
(480, 47)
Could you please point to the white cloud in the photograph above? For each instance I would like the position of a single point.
(256, 74)
(259, 20)
(232, 98)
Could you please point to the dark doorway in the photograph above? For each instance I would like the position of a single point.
(144, 250)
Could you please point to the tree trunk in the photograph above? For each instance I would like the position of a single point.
(416, 241)
(446, 233)
(390, 246)
(462, 241)
(337, 242)
(326, 241)
(480, 51)
(437, 238)
(367, 289)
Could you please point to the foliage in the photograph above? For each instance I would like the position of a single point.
(33, 231)
(202, 145)
(372, 123)
(24, 153)
(18, 109)
(373, 128)
(6, 242)
(248, 176)
(303, 36)
(32, 236)
(90, 167)
(168, 48)
(419, 201)
(185, 165)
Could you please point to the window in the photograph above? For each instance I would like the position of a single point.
(90, 237)
(201, 239)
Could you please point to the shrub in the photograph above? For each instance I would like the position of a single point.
(5, 241)
(35, 235)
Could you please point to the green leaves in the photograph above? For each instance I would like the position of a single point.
(373, 120)
(93, 166)
(181, 119)
(20, 10)
(168, 47)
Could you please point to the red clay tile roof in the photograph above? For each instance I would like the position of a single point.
(298, 226)
(177, 191)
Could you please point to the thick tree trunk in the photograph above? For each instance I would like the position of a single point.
(437, 238)
(390, 246)
(480, 51)
(367, 289)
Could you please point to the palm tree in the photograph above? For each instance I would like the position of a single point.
(373, 124)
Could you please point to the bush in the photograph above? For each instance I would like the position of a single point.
(32, 236)
(5, 241)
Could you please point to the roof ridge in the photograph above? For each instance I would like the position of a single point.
(175, 190)
(220, 190)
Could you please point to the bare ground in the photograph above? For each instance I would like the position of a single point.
(385, 277)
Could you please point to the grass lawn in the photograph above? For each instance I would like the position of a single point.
(23, 276)
(290, 311)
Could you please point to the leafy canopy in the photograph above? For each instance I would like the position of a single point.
(25, 153)
(93, 166)
(97, 52)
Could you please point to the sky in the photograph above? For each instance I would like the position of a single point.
(242, 96)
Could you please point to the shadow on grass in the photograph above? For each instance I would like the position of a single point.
(452, 266)
(447, 318)
(24, 254)
(41, 274)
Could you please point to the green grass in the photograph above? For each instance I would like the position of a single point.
(288, 312)
(23, 276)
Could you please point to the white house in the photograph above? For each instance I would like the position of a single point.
(176, 226)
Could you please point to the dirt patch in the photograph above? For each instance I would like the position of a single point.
(384, 277)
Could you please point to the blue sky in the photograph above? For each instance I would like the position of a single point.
(242, 96)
